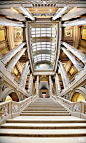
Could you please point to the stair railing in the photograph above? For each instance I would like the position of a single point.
(77, 109)
(11, 109)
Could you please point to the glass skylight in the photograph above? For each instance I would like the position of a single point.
(43, 42)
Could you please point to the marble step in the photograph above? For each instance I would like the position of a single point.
(41, 104)
(45, 114)
(44, 126)
(46, 119)
(43, 133)
(49, 106)
(45, 111)
(44, 100)
(42, 140)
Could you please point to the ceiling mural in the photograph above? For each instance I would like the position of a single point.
(43, 66)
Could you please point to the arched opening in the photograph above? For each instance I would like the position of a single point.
(8, 98)
(77, 97)
(12, 97)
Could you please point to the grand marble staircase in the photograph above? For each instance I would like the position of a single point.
(44, 121)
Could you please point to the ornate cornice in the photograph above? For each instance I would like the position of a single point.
(44, 2)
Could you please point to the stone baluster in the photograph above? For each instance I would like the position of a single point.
(6, 22)
(14, 60)
(22, 78)
(76, 63)
(75, 51)
(64, 75)
(11, 53)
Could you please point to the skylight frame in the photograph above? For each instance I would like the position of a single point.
(37, 45)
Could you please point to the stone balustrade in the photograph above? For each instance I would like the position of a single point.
(12, 108)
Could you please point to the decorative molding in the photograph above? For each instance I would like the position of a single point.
(43, 2)
(43, 14)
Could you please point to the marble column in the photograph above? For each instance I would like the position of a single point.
(50, 86)
(29, 83)
(60, 12)
(12, 14)
(25, 77)
(64, 75)
(13, 62)
(75, 51)
(75, 12)
(58, 83)
(26, 12)
(78, 22)
(1, 84)
(76, 63)
(6, 22)
(22, 78)
(11, 53)
(63, 80)
(37, 85)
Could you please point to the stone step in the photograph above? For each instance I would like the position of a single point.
(44, 100)
(45, 114)
(46, 106)
(46, 119)
(45, 111)
(44, 126)
(43, 133)
(8, 139)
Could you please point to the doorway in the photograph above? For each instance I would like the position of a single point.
(43, 94)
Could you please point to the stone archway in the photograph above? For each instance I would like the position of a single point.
(12, 93)
(77, 96)
(14, 96)
(80, 90)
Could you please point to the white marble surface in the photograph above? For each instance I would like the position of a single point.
(42, 140)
